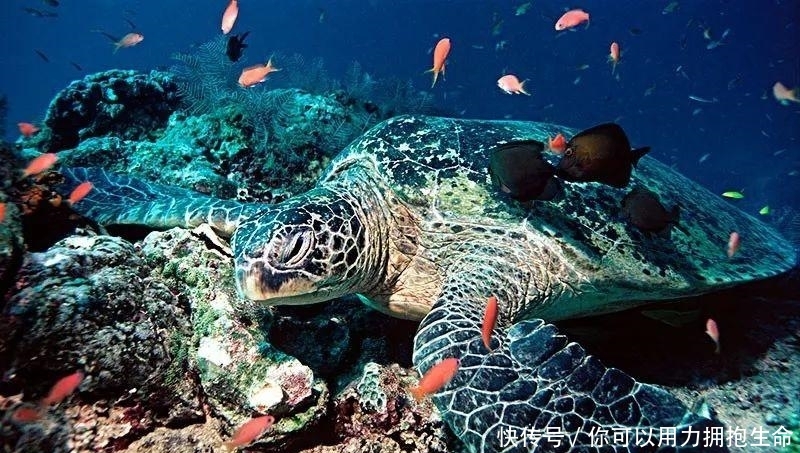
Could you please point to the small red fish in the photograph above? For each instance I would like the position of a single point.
(613, 56)
(558, 144)
(489, 322)
(27, 414)
(27, 129)
(63, 388)
(250, 431)
(256, 74)
(2, 212)
(734, 241)
(510, 84)
(40, 164)
(436, 378)
(129, 40)
(80, 192)
(440, 53)
(784, 95)
(229, 16)
(713, 332)
(572, 18)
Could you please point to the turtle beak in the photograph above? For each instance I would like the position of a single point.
(256, 281)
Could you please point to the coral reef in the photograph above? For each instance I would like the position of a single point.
(87, 304)
(192, 152)
(239, 372)
(376, 413)
(300, 115)
(127, 104)
(353, 335)
(11, 232)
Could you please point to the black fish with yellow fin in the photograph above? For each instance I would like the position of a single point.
(642, 209)
(600, 154)
(519, 170)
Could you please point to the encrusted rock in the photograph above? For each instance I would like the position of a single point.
(88, 304)
(240, 372)
(126, 103)
(399, 425)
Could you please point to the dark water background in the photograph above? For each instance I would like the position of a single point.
(742, 131)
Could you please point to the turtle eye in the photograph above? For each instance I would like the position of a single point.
(297, 247)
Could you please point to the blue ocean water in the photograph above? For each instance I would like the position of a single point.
(751, 140)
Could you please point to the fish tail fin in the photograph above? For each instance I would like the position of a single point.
(487, 341)
(116, 48)
(638, 153)
(269, 63)
(435, 76)
(522, 88)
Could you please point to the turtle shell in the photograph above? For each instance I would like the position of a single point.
(439, 168)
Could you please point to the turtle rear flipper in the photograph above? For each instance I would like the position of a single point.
(122, 200)
(536, 391)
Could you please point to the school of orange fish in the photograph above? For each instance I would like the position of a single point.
(441, 373)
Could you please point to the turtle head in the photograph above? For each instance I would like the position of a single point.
(308, 249)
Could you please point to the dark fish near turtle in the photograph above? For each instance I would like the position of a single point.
(520, 170)
(642, 209)
(236, 46)
(600, 154)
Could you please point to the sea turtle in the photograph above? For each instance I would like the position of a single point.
(407, 217)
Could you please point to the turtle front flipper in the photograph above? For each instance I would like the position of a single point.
(536, 391)
(122, 200)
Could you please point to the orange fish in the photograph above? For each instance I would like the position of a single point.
(734, 241)
(80, 192)
(558, 144)
(613, 56)
(440, 53)
(2, 212)
(40, 164)
(572, 18)
(713, 332)
(27, 129)
(489, 322)
(783, 94)
(229, 16)
(63, 388)
(27, 414)
(256, 74)
(129, 40)
(510, 84)
(436, 378)
(250, 431)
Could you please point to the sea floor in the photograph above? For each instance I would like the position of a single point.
(754, 382)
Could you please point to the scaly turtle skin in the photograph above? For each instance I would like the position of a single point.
(407, 217)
